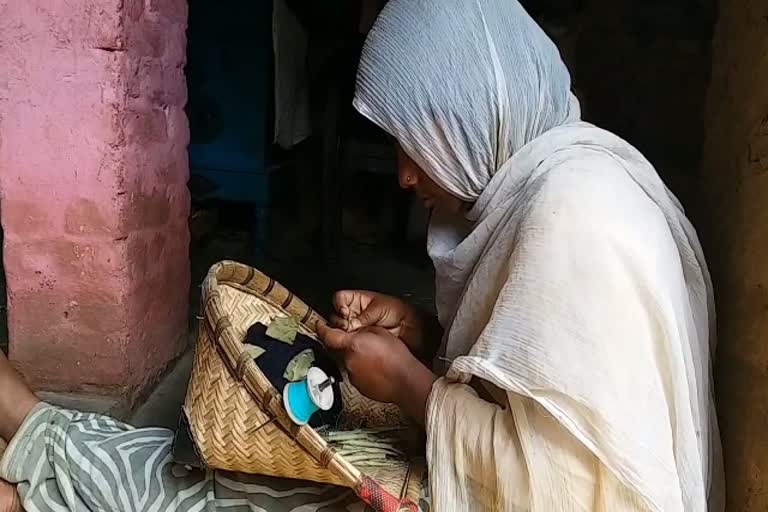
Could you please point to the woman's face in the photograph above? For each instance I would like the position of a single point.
(411, 176)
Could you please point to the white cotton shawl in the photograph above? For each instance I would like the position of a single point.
(575, 286)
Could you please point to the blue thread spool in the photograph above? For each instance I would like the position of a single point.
(304, 398)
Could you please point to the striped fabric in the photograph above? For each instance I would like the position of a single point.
(64, 460)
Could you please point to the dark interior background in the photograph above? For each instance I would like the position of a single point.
(641, 68)
(328, 213)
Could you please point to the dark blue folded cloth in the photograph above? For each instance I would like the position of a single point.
(278, 354)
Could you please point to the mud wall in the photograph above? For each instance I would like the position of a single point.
(734, 211)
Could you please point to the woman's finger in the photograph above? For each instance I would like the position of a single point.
(342, 301)
(349, 303)
(339, 322)
(335, 339)
(372, 315)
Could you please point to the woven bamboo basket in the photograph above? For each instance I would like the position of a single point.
(237, 419)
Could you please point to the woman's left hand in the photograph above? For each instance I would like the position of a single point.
(374, 358)
(381, 367)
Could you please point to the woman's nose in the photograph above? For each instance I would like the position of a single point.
(407, 178)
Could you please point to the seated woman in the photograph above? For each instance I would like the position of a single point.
(572, 289)
(573, 372)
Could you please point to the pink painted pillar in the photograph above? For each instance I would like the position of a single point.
(94, 203)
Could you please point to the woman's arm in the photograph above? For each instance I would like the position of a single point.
(474, 452)
(414, 390)
(382, 368)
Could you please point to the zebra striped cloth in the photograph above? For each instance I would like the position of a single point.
(63, 460)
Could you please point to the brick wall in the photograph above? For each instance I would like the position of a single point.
(736, 239)
(92, 189)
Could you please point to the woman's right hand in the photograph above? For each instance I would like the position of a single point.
(357, 309)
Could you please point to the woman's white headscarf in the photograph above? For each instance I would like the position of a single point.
(575, 285)
(477, 79)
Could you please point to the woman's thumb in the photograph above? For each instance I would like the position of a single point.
(335, 339)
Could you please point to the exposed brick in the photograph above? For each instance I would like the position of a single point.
(156, 247)
(145, 128)
(174, 94)
(146, 210)
(64, 367)
(157, 297)
(90, 306)
(159, 319)
(178, 125)
(176, 45)
(147, 39)
(137, 255)
(133, 9)
(94, 167)
(46, 264)
(180, 202)
(104, 24)
(175, 10)
(25, 218)
(52, 24)
(58, 354)
(176, 173)
(84, 217)
(156, 82)
(145, 249)
(98, 317)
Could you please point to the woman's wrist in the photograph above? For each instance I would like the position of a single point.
(415, 386)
